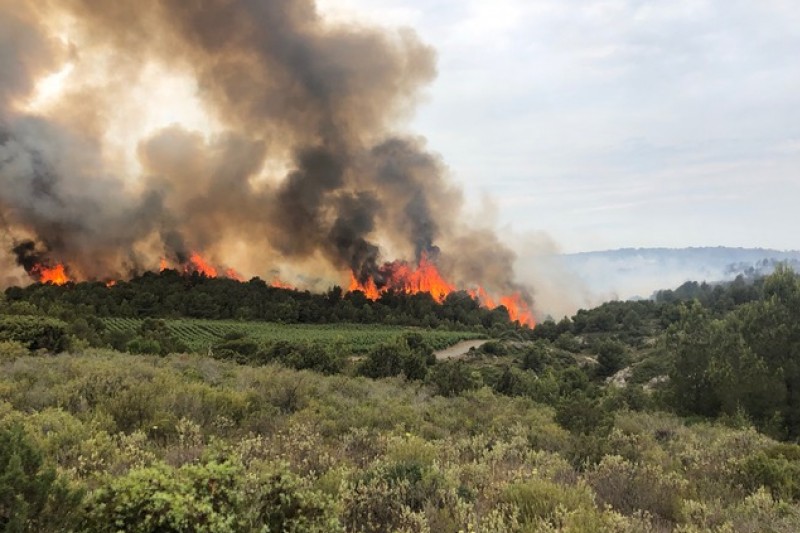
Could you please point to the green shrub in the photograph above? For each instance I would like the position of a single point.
(12, 350)
(777, 469)
(32, 496)
(494, 348)
(611, 357)
(35, 332)
(451, 378)
(202, 498)
(632, 487)
(282, 501)
(381, 500)
(393, 359)
(538, 500)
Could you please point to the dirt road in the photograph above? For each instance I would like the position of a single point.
(458, 350)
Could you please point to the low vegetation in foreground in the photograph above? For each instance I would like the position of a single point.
(107, 442)
(676, 414)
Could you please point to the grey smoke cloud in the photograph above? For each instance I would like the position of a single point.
(288, 91)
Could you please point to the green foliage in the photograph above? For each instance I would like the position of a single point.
(32, 496)
(746, 362)
(611, 357)
(208, 497)
(396, 358)
(199, 335)
(12, 350)
(300, 356)
(35, 332)
(159, 498)
(519, 438)
(541, 501)
(776, 468)
(451, 378)
(631, 487)
(536, 357)
(582, 415)
(282, 501)
(494, 348)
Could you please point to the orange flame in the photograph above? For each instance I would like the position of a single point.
(483, 297)
(369, 289)
(232, 274)
(518, 309)
(278, 283)
(199, 265)
(56, 275)
(401, 277)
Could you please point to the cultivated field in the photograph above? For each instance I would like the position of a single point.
(357, 338)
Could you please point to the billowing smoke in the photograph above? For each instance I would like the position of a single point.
(293, 156)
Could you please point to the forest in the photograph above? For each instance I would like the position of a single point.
(181, 403)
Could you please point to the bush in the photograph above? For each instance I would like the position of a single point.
(632, 487)
(536, 358)
(539, 500)
(35, 332)
(494, 348)
(777, 469)
(282, 501)
(378, 501)
(32, 497)
(393, 359)
(451, 378)
(611, 357)
(159, 498)
(299, 356)
(12, 350)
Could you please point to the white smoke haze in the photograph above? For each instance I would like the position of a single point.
(255, 132)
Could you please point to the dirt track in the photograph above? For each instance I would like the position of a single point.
(458, 350)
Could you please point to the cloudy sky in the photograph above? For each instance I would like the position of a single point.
(616, 123)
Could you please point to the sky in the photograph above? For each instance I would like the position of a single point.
(619, 123)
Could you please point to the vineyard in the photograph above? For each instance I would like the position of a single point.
(356, 338)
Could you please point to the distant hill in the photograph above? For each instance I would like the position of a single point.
(638, 272)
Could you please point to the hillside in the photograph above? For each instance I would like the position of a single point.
(638, 272)
(671, 414)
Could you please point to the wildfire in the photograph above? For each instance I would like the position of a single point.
(518, 309)
(196, 263)
(232, 274)
(402, 277)
(398, 276)
(56, 275)
(280, 284)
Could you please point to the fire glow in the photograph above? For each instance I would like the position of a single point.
(397, 276)
(56, 275)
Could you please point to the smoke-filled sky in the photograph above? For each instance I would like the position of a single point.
(318, 140)
(260, 134)
(615, 123)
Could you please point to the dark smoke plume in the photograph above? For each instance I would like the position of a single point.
(301, 165)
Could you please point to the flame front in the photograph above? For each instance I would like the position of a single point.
(518, 309)
(198, 264)
(56, 275)
(278, 283)
(399, 276)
